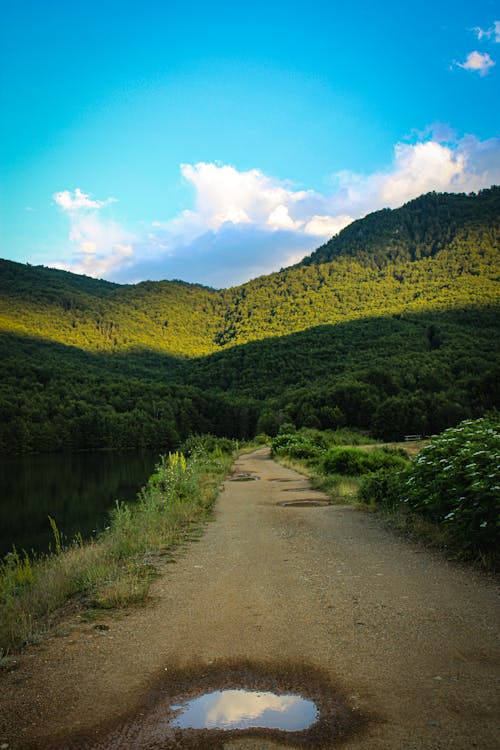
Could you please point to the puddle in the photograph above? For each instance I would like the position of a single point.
(207, 706)
(246, 709)
(242, 476)
(278, 479)
(313, 503)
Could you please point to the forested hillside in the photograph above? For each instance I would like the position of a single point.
(390, 327)
(421, 228)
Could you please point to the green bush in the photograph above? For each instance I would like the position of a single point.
(261, 439)
(383, 488)
(207, 444)
(296, 445)
(345, 436)
(354, 461)
(456, 481)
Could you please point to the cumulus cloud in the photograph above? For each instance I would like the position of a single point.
(463, 166)
(225, 195)
(479, 62)
(246, 223)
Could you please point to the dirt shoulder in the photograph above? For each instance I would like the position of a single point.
(408, 640)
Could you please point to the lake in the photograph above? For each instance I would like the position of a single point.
(76, 489)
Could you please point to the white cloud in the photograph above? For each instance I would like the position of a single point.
(479, 62)
(327, 226)
(246, 223)
(225, 195)
(463, 166)
(89, 262)
(78, 201)
(280, 218)
(99, 246)
(234, 708)
(492, 33)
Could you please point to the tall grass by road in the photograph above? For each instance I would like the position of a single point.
(116, 569)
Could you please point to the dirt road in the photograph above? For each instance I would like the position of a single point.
(315, 598)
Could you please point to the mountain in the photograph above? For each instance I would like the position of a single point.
(388, 327)
(420, 229)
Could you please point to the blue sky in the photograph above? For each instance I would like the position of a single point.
(217, 141)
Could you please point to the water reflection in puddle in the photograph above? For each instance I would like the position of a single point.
(303, 503)
(245, 709)
(243, 477)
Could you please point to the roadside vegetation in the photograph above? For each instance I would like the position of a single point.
(114, 570)
(448, 495)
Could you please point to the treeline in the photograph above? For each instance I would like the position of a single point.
(413, 374)
(67, 400)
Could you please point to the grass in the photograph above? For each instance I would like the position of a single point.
(339, 489)
(116, 570)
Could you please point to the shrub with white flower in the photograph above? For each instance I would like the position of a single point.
(456, 481)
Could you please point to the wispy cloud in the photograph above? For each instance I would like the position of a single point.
(246, 223)
(98, 245)
(492, 33)
(79, 201)
(478, 62)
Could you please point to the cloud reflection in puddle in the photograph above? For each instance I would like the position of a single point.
(245, 709)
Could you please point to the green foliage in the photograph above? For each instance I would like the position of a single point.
(383, 488)
(314, 445)
(453, 485)
(297, 445)
(456, 481)
(16, 573)
(354, 461)
(208, 444)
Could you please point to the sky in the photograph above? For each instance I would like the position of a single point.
(217, 141)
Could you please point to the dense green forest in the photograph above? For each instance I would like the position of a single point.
(390, 327)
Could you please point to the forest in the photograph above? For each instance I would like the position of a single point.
(389, 328)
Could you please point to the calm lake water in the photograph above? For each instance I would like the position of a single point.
(76, 489)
